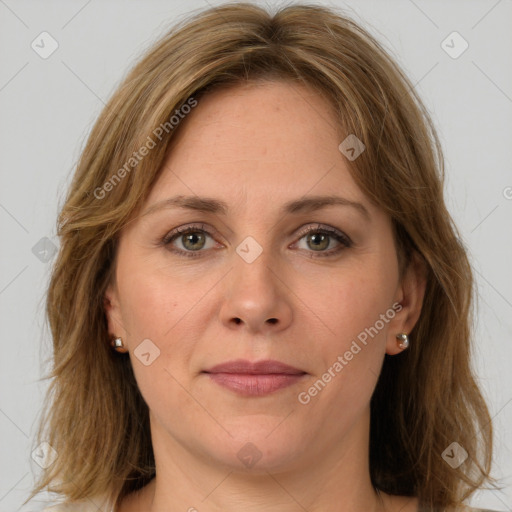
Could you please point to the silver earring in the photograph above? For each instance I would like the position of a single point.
(404, 340)
(117, 343)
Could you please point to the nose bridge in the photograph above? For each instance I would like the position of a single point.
(254, 265)
(255, 295)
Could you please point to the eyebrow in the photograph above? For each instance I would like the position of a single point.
(210, 205)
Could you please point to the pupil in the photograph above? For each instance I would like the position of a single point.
(192, 239)
(318, 240)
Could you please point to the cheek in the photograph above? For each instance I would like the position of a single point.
(154, 302)
(355, 305)
(349, 356)
(354, 301)
(155, 311)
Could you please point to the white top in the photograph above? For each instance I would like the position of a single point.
(102, 504)
(96, 504)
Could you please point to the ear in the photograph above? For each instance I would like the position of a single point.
(113, 312)
(410, 294)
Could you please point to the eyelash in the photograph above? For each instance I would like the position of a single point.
(326, 230)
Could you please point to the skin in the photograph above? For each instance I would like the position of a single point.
(257, 147)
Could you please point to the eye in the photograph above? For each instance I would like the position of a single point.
(194, 238)
(191, 238)
(318, 239)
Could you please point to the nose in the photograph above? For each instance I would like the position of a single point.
(257, 298)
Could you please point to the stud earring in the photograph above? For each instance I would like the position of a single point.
(117, 343)
(404, 340)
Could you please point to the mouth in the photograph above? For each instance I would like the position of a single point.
(254, 379)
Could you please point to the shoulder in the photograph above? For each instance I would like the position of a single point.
(74, 507)
(96, 504)
(69, 507)
(470, 509)
(412, 504)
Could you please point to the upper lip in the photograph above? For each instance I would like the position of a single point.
(254, 368)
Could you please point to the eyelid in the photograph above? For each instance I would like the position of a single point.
(324, 228)
(180, 230)
(208, 230)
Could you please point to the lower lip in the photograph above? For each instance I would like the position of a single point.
(255, 385)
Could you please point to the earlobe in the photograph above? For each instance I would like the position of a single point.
(410, 296)
(116, 331)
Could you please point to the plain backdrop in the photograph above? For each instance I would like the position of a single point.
(48, 106)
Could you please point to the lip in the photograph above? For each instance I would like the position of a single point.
(254, 378)
(266, 367)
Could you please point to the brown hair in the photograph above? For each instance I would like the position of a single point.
(426, 398)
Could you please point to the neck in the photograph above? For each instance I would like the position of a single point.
(335, 479)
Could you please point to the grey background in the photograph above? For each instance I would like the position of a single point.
(49, 105)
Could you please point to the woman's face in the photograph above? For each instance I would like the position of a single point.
(265, 273)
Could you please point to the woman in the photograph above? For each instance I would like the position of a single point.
(261, 301)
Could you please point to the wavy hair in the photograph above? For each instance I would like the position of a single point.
(426, 398)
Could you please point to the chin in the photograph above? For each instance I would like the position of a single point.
(258, 447)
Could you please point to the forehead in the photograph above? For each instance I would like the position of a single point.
(258, 115)
(255, 141)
